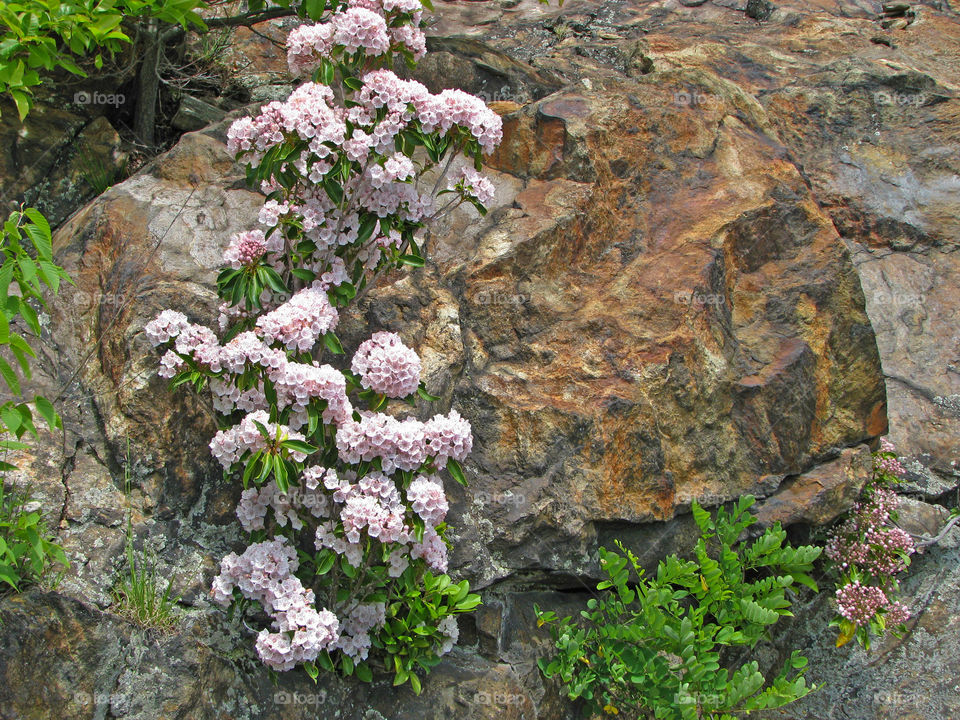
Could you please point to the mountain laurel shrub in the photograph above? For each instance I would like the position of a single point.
(661, 646)
(343, 496)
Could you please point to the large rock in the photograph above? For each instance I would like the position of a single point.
(913, 302)
(821, 495)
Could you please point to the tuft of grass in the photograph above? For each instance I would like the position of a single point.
(139, 594)
(99, 174)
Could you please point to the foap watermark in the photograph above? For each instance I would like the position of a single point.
(687, 297)
(83, 298)
(86, 97)
(895, 698)
(497, 698)
(899, 99)
(501, 498)
(85, 698)
(897, 299)
(695, 99)
(282, 697)
(504, 94)
(495, 297)
(703, 497)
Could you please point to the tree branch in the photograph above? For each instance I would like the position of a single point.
(244, 20)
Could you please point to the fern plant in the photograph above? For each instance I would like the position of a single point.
(661, 646)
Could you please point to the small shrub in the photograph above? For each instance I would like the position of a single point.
(43, 35)
(868, 553)
(657, 646)
(27, 549)
(26, 266)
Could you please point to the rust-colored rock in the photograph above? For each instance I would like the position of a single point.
(821, 495)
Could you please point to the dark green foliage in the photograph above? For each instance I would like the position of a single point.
(660, 646)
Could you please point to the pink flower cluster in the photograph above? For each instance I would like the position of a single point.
(406, 444)
(296, 384)
(889, 465)
(355, 631)
(448, 626)
(300, 321)
(868, 547)
(427, 499)
(859, 603)
(455, 107)
(374, 506)
(264, 572)
(229, 445)
(431, 549)
(166, 326)
(868, 541)
(387, 366)
(286, 506)
(302, 634)
(366, 25)
(352, 30)
(247, 248)
(448, 436)
(473, 184)
(398, 443)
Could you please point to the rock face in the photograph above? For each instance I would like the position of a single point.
(663, 304)
(821, 495)
(58, 160)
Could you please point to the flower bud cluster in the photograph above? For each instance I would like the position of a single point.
(868, 551)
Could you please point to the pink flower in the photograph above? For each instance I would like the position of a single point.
(427, 499)
(859, 603)
(166, 326)
(387, 366)
(448, 437)
(474, 184)
(300, 321)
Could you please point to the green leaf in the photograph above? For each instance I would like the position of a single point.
(300, 446)
(421, 391)
(304, 274)
(332, 343)
(7, 574)
(412, 260)
(456, 471)
(272, 280)
(469, 603)
(22, 100)
(324, 566)
(10, 377)
(47, 412)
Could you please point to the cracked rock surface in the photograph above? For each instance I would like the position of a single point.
(722, 259)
